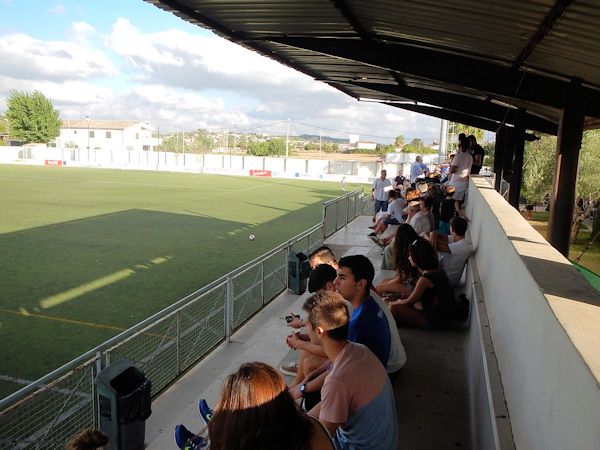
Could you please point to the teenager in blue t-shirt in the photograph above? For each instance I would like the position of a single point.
(368, 325)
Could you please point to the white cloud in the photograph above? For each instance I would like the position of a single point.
(24, 57)
(82, 32)
(182, 81)
(58, 9)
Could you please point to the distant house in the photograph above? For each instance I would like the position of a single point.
(115, 135)
(366, 145)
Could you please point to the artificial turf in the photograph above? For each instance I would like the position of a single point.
(86, 253)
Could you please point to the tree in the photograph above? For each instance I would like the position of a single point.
(399, 141)
(32, 117)
(589, 166)
(539, 164)
(382, 149)
(274, 147)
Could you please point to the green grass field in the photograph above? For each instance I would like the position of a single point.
(86, 253)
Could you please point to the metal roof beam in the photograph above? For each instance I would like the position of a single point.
(462, 103)
(542, 31)
(448, 68)
(454, 116)
(353, 20)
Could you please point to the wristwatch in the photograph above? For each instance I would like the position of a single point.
(303, 389)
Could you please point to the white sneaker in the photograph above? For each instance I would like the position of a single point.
(289, 369)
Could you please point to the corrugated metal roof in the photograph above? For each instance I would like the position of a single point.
(524, 52)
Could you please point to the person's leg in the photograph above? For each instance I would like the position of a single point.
(300, 373)
(407, 315)
(380, 228)
(377, 206)
(311, 362)
(386, 262)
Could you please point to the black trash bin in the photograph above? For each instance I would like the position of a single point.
(298, 271)
(124, 402)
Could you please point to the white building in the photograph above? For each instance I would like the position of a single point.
(110, 135)
(366, 145)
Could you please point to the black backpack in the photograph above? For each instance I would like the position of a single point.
(461, 308)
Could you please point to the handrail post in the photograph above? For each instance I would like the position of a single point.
(347, 208)
(228, 308)
(96, 403)
(262, 281)
(286, 265)
(324, 221)
(178, 338)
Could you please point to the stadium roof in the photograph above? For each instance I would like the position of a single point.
(481, 63)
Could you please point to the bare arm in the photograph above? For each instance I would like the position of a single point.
(415, 296)
(296, 343)
(331, 427)
(439, 242)
(314, 381)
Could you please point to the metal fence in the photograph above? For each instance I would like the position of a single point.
(48, 412)
(341, 211)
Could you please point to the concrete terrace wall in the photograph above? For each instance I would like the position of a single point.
(545, 326)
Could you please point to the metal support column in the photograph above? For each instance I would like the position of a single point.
(517, 167)
(498, 156)
(570, 133)
(508, 155)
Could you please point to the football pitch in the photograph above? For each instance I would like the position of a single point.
(87, 253)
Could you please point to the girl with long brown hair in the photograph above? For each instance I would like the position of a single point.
(256, 412)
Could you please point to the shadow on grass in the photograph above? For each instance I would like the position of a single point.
(114, 270)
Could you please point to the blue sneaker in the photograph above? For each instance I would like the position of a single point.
(205, 411)
(186, 440)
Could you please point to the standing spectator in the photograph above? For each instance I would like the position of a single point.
(399, 181)
(417, 170)
(460, 169)
(478, 153)
(448, 209)
(379, 193)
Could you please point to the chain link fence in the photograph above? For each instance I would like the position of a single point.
(47, 413)
(341, 211)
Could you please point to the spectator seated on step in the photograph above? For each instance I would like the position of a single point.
(89, 439)
(419, 215)
(404, 280)
(311, 355)
(395, 210)
(256, 411)
(431, 304)
(357, 405)
(369, 323)
(322, 255)
(454, 250)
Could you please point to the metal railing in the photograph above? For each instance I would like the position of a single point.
(48, 412)
(339, 212)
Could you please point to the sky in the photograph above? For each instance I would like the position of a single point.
(127, 59)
